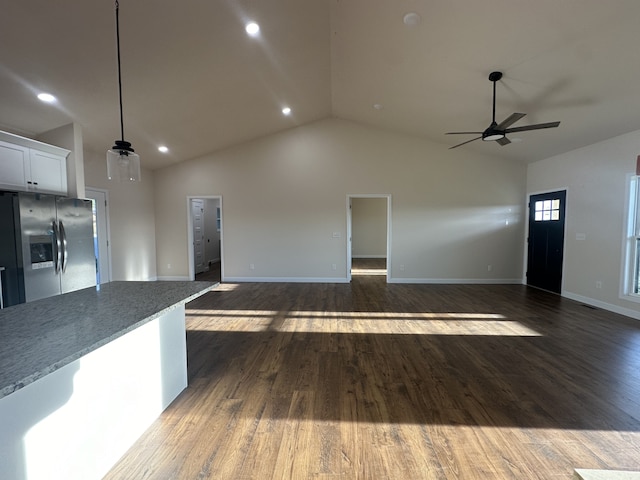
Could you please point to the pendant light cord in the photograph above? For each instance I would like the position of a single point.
(119, 74)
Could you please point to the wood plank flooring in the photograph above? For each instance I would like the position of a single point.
(211, 275)
(370, 380)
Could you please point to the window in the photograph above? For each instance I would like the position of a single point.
(631, 265)
(547, 210)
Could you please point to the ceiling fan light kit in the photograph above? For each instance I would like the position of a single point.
(498, 131)
(493, 136)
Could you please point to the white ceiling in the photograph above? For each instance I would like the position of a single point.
(196, 82)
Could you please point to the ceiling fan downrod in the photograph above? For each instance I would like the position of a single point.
(494, 77)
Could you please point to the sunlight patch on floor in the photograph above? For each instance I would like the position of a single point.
(248, 314)
(368, 271)
(397, 323)
(225, 287)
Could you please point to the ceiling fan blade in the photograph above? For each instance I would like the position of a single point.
(537, 126)
(510, 120)
(463, 133)
(503, 141)
(464, 143)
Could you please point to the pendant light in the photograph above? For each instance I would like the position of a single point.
(123, 164)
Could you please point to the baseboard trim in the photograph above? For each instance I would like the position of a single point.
(627, 312)
(458, 281)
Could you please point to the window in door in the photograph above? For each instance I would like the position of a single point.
(547, 210)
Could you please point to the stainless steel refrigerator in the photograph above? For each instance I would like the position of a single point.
(52, 250)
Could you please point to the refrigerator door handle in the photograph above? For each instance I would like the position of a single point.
(57, 245)
(65, 252)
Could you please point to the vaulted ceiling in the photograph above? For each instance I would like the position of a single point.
(193, 79)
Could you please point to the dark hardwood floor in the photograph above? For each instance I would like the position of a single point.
(371, 380)
(211, 275)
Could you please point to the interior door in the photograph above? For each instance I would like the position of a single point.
(546, 240)
(381, 224)
(100, 234)
(197, 213)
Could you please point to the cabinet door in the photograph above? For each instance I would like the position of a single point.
(48, 173)
(14, 166)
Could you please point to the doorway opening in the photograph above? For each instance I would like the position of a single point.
(546, 240)
(101, 243)
(204, 236)
(369, 235)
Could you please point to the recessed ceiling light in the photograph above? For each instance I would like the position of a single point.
(163, 149)
(411, 19)
(46, 97)
(252, 29)
(377, 106)
(286, 111)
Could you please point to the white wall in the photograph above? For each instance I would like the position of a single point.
(595, 178)
(454, 213)
(131, 219)
(369, 227)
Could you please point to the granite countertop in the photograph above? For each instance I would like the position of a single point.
(37, 338)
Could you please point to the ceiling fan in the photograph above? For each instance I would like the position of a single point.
(498, 131)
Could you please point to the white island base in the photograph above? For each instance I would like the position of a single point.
(76, 422)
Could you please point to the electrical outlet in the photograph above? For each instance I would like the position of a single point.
(252, 266)
(169, 266)
(489, 268)
(598, 284)
(402, 267)
(334, 266)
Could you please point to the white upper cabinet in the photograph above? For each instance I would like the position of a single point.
(14, 166)
(48, 172)
(29, 165)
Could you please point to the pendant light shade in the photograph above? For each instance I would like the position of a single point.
(123, 164)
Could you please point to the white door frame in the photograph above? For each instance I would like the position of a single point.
(349, 230)
(88, 194)
(192, 274)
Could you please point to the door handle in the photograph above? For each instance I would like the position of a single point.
(57, 245)
(65, 252)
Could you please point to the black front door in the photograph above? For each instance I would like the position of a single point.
(546, 240)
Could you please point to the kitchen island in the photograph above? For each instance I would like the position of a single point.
(83, 374)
